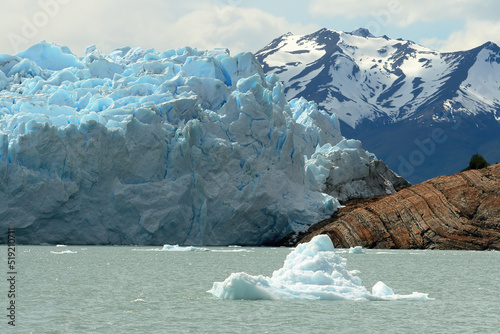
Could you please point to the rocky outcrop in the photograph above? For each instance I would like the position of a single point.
(460, 211)
(376, 179)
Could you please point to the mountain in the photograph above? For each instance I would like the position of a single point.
(460, 211)
(177, 147)
(421, 111)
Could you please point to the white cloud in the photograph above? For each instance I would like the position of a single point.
(166, 24)
(475, 33)
(159, 24)
(238, 28)
(406, 12)
(467, 23)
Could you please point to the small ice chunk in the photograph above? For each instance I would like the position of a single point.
(177, 248)
(232, 251)
(67, 251)
(137, 300)
(380, 291)
(356, 250)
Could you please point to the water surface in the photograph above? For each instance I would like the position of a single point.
(137, 290)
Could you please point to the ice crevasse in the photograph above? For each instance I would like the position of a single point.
(179, 147)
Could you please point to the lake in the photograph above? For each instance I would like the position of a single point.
(99, 289)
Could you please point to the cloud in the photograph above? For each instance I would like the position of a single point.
(475, 33)
(238, 28)
(458, 24)
(405, 12)
(159, 24)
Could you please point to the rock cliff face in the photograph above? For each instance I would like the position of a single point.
(460, 211)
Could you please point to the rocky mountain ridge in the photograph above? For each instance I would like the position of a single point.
(441, 107)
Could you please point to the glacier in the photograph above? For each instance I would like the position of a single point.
(312, 271)
(182, 147)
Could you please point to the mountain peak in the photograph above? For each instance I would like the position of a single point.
(393, 85)
(362, 32)
(491, 46)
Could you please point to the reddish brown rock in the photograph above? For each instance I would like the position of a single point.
(460, 211)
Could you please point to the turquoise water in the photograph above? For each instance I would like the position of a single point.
(137, 290)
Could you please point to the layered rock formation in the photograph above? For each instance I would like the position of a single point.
(460, 211)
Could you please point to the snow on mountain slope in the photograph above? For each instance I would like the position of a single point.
(376, 77)
(178, 147)
(377, 82)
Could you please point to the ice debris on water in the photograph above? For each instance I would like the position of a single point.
(356, 250)
(311, 271)
(177, 248)
(67, 251)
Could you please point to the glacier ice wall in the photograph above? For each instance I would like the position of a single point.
(346, 171)
(142, 147)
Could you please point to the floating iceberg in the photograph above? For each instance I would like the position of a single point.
(311, 271)
(356, 250)
(64, 252)
(177, 248)
(143, 147)
(240, 250)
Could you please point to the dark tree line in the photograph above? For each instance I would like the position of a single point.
(477, 161)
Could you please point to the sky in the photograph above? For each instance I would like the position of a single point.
(239, 25)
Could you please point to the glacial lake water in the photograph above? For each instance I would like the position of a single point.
(139, 290)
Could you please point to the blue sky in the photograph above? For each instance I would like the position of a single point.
(240, 25)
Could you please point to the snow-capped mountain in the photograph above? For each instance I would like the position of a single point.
(423, 112)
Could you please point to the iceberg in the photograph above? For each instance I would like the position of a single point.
(64, 252)
(312, 271)
(177, 248)
(356, 250)
(182, 147)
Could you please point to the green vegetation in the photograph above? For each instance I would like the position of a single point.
(477, 161)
